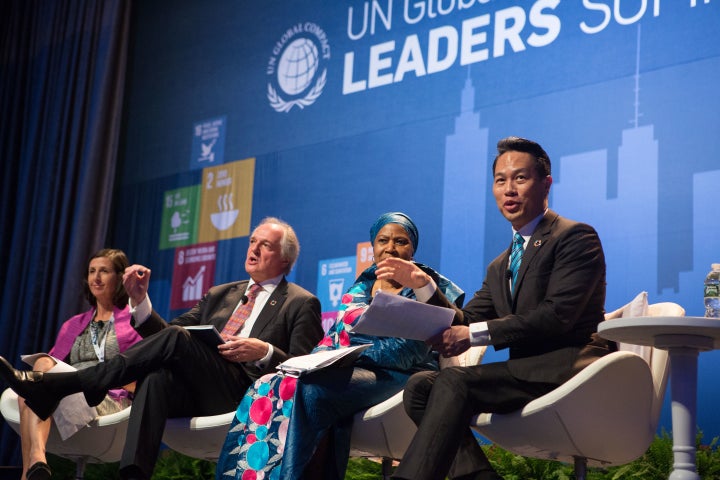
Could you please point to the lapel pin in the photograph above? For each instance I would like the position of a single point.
(273, 302)
(537, 243)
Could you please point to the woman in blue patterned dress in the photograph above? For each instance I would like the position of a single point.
(288, 428)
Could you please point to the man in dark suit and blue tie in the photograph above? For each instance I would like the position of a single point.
(542, 299)
(180, 376)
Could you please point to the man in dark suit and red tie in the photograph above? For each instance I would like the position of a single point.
(268, 320)
(542, 299)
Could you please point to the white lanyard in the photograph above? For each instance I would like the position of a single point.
(100, 346)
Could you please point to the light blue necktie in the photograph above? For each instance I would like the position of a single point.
(515, 259)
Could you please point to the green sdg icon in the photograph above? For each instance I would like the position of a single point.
(180, 217)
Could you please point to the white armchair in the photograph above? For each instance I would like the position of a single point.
(100, 442)
(384, 430)
(606, 415)
(198, 437)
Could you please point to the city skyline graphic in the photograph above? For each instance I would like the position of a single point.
(622, 201)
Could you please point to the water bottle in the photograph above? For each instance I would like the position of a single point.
(712, 292)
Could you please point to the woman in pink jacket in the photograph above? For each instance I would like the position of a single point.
(85, 339)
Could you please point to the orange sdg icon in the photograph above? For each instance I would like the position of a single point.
(227, 192)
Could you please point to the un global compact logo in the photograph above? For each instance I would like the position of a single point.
(296, 69)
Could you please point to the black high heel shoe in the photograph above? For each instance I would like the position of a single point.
(39, 471)
(30, 386)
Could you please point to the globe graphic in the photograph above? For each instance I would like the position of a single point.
(297, 66)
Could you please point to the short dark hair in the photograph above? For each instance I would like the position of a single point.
(120, 263)
(518, 144)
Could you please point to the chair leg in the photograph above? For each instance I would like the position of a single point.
(580, 468)
(80, 464)
(387, 468)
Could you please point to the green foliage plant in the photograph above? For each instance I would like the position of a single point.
(655, 464)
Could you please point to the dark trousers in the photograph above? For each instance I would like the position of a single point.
(177, 377)
(442, 405)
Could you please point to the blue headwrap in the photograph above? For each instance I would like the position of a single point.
(399, 218)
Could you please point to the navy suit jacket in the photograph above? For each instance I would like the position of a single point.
(550, 324)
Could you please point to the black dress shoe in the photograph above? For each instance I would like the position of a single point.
(482, 475)
(30, 386)
(39, 471)
(132, 472)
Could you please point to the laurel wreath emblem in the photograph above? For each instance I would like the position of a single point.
(280, 105)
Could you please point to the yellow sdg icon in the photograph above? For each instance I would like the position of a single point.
(227, 192)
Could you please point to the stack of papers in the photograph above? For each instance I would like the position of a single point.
(304, 364)
(397, 316)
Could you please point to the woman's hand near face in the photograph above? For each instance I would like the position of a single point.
(403, 272)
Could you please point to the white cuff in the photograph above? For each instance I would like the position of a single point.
(264, 361)
(479, 334)
(424, 293)
(141, 311)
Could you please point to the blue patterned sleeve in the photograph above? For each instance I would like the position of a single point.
(393, 353)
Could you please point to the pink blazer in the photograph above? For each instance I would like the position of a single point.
(126, 334)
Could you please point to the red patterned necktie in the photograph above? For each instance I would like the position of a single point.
(237, 319)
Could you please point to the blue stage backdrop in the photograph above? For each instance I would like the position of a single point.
(327, 114)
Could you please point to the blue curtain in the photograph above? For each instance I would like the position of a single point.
(62, 71)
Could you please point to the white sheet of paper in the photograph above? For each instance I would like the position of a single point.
(73, 412)
(397, 316)
(311, 362)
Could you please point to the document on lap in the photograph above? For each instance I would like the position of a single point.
(397, 316)
(73, 412)
(206, 333)
(304, 364)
